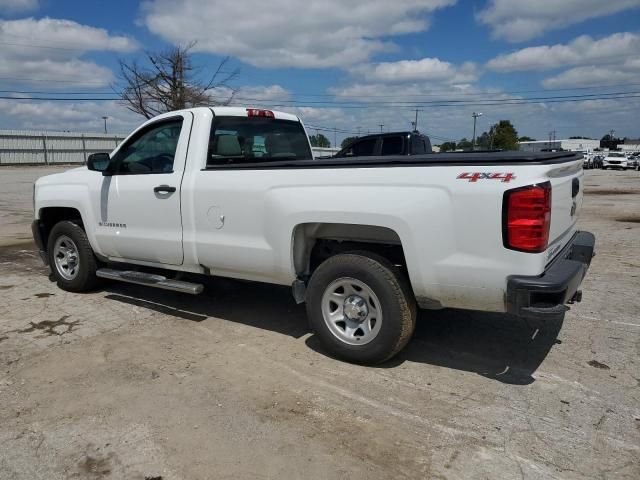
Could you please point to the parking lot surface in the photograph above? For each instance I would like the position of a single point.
(136, 383)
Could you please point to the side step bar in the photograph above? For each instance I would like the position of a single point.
(150, 280)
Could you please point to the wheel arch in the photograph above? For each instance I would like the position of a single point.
(49, 216)
(314, 242)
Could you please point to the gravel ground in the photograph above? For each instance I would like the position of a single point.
(136, 383)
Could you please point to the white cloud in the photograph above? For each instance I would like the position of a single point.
(290, 33)
(261, 93)
(628, 71)
(584, 50)
(520, 20)
(50, 49)
(424, 70)
(74, 116)
(18, 6)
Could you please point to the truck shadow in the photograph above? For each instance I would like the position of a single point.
(501, 347)
(497, 346)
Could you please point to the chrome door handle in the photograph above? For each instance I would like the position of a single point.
(164, 189)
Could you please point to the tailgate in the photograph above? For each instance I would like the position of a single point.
(567, 182)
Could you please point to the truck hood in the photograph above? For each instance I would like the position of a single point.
(74, 175)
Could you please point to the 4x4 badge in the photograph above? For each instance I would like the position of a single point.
(475, 176)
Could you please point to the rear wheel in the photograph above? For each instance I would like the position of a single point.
(361, 307)
(71, 258)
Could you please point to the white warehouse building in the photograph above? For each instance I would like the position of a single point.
(571, 144)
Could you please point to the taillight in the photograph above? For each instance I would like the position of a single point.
(526, 214)
(256, 112)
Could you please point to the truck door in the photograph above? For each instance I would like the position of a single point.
(139, 204)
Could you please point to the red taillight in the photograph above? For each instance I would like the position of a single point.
(527, 218)
(256, 112)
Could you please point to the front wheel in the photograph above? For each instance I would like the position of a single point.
(71, 257)
(361, 307)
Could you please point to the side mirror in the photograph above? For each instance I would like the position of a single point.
(99, 162)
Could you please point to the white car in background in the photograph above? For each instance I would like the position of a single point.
(616, 160)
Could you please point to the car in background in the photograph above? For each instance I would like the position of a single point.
(385, 144)
(615, 160)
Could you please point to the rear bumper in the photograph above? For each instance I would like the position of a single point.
(547, 295)
(37, 229)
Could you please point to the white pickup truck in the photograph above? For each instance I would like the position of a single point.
(364, 241)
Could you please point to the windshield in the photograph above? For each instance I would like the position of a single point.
(256, 140)
(617, 155)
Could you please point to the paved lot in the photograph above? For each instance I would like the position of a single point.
(137, 383)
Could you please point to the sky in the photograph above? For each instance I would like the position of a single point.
(344, 66)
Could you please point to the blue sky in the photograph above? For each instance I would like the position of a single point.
(341, 64)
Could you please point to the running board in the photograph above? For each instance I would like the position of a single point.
(150, 280)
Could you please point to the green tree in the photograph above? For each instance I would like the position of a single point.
(347, 141)
(527, 139)
(320, 141)
(483, 142)
(504, 136)
(464, 144)
(448, 147)
(609, 142)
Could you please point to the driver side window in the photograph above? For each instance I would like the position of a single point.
(152, 151)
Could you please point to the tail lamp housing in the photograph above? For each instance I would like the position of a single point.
(526, 218)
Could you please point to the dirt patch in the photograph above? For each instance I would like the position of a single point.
(597, 364)
(95, 467)
(50, 327)
(629, 219)
(609, 192)
(6, 287)
(43, 295)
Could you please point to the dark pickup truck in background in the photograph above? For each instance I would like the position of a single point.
(383, 144)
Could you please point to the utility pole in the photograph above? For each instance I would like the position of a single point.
(415, 124)
(475, 116)
(105, 124)
(335, 137)
(381, 125)
(358, 130)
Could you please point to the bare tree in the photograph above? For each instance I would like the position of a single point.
(171, 82)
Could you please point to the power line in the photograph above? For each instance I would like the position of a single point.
(449, 91)
(31, 92)
(432, 102)
(336, 95)
(479, 103)
(50, 80)
(390, 105)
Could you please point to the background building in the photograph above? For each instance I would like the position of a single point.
(630, 145)
(571, 144)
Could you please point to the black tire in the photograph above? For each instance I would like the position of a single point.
(85, 279)
(393, 292)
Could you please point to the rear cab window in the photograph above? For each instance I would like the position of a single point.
(392, 145)
(360, 148)
(248, 140)
(418, 145)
